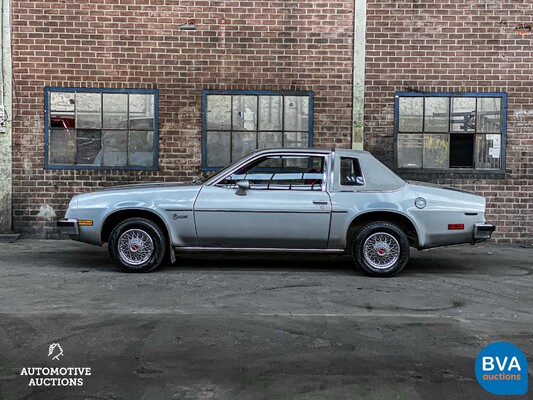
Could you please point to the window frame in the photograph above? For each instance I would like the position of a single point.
(282, 93)
(474, 170)
(50, 89)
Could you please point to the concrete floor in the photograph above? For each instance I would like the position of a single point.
(260, 327)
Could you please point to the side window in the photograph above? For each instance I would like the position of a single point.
(280, 173)
(351, 174)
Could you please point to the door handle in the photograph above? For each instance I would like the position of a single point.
(320, 202)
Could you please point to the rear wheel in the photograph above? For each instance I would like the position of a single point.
(137, 245)
(381, 249)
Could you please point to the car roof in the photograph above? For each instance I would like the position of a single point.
(317, 150)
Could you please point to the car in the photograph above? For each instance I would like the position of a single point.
(332, 201)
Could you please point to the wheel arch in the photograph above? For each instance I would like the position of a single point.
(401, 220)
(120, 215)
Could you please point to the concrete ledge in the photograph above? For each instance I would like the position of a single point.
(10, 237)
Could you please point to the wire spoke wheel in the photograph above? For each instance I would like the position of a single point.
(381, 250)
(135, 247)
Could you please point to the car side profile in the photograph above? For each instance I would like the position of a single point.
(307, 200)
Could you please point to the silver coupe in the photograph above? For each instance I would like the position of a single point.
(280, 200)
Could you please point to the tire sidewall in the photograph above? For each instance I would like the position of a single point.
(377, 227)
(155, 233)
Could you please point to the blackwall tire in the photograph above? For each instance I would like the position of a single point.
(381, 249)
(137, 245)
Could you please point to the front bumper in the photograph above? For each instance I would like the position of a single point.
(68, 226)
(482, 231)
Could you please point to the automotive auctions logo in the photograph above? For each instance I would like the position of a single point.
(58, 351)
(56, 376)
(501, 368)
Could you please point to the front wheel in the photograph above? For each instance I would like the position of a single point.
(381, 249)
(137, 245)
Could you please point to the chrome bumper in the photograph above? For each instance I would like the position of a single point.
(68, 226)
(482, 231)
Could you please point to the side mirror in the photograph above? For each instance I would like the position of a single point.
(242, 186)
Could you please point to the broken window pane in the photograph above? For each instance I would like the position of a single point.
(488, 151)
(62, 120)
(115, 110)
(436, 151)
(489, 114)
(141, 148)
(270, 113)
(218, 112)
(410, 114)
(437, 114)
(114, 148)
(89, 147)
(243, 143)
(245, 113)
(88, 110)
(62, 147)
(296, 113)
(269, 140)
(410, 151)
(463, 115)
(218, 148)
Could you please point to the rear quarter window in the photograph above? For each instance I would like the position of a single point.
(351, 174)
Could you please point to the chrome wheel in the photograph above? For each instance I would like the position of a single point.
(135, 247)
(381, 250)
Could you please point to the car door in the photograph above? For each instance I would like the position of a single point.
(284, 204)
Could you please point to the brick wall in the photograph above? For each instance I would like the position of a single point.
(255, 45)
(458, 46)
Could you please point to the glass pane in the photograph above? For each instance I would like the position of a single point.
(115, 146)
(411, 111)
(115, 110)
(88, 109)
(436, 151)
(62, 146)
(89, 147)
(269, 140)
(270, 113)
(218, 112)
(61, 101)
(141, 148)
(463, 114)
(296, 113)
(489, 114)
(488, 151)
(141, 108)
(141, 105)
(410, 151)
(243, 144)
(218, 149)
(245, 113)
(295, 139)
(437, 114)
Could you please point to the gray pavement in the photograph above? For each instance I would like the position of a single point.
(259, 326)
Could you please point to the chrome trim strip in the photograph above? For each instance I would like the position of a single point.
(259, 249)
(266, 211)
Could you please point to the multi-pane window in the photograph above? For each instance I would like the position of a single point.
(101, 128)
(449, 130)
(235, 123)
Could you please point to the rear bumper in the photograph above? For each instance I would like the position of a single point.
(482, 231)
(68, 226)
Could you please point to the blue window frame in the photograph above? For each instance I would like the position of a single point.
(100, 128)
(450, 132)
(235, 123)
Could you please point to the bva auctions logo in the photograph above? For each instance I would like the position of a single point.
(501, 368)
(55, 348)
